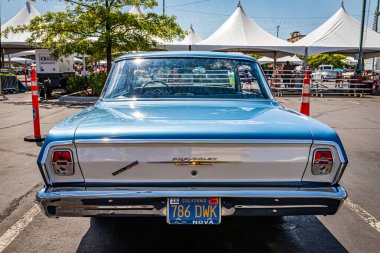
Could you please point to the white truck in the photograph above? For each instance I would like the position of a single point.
(325, 72)
(51, 72)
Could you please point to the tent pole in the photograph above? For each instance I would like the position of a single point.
(274, 61)
(305, 59)
(360, 64)
(9, 62)
(1, 47)
(2, 57)
(84, 72)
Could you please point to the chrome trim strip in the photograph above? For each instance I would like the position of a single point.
(46, 152)
(217, 56)
(45, 174)
(339, 174)
(334, 192)
(51, 144)
(278, 206)
(192, 141)
(126, 207)
(331, 143)
(70, 203)
(343, 161)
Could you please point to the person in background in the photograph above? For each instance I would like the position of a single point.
(287, 74)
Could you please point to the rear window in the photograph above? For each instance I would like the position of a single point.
(141, 78)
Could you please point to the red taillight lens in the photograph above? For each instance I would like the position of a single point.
(322, 162)
(323, 157)
(62, 155)
(62, 162)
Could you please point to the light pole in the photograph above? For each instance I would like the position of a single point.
(360, 59)
(163, 7)
(376, 17)
(1, 47)
(278, 28)
(374, 27)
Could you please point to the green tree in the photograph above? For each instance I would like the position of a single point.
(100, 28)
(330, 59)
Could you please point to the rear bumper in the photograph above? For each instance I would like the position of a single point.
(253, 201)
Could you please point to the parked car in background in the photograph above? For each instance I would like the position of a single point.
(325, 72)
(193, 137)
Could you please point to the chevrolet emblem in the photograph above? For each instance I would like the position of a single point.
(194, 161)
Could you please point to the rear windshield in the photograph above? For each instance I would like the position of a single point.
(142, 78)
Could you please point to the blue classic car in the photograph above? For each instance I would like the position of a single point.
(190, 136)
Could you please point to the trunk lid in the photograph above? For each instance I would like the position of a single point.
(193, 120)
(192, 141)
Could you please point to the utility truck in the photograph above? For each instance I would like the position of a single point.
(53, 73)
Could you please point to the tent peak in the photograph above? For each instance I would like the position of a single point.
(191, 28)
(342, 5)
(239, 7)
(28, 5)
(136, 9)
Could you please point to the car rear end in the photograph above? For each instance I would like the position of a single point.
(148, 178)
(191, 137)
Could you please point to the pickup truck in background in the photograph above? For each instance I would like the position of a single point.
(325, 72)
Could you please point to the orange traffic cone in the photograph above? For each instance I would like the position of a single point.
(305, 99)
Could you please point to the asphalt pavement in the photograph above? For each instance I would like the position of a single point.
(355, 228)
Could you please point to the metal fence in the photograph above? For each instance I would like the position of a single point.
(290, 83)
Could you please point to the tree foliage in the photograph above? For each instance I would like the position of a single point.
(94, 81)
(330, 59)
(100, 28)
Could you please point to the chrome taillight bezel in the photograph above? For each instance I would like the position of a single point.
(63, 170)
(325, 168)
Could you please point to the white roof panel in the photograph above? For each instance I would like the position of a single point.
(239, 31)
(23, 17)
(340, 33)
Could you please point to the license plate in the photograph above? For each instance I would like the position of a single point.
(194, 211)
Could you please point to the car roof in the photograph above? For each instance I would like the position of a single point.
(190, 54)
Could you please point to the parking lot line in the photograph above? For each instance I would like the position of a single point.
(20, 225)
(363, 214)
(28, 217)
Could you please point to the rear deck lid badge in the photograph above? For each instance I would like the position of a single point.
(194, 161)
(125, 168)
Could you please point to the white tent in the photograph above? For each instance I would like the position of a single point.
(23, 17)
(340, 34)
(240, 33)
(190, 39)
(292, 59)
(265, 60)
(20, 60)
(25, 54)
(136, 10)
(349, 60)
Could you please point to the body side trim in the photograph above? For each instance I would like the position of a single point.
(192, 141)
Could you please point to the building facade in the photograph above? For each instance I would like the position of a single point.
(295, 36)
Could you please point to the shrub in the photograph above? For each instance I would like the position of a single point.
(76, 83)
(94, 81)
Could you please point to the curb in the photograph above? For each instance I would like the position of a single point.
(72, 99)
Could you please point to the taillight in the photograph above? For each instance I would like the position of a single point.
(62, 162)
(322, 162)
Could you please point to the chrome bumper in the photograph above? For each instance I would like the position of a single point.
(253, 201)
